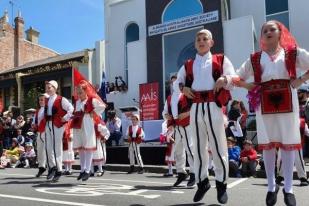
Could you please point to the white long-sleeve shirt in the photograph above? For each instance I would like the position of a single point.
(202, 73)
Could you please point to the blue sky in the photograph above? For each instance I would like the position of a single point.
(64, 25)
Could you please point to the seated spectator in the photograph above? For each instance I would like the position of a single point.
(234, 155)
(234, 128)
(20, 124)
(11, 156)
(27, 158)
(113, 124)
(248, 160)
(20, 137)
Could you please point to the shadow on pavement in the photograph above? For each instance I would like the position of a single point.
(192, 204)
(54, 185)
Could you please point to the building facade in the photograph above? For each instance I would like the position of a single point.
(151, 39)
(17, 49)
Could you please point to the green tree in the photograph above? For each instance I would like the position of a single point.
(31, 97)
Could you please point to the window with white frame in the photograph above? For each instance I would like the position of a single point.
(277, 10)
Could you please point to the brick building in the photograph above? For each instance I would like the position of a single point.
(16, 48)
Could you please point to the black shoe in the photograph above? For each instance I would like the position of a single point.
(289, 198)
(221, 192)
(279, 180)
(211, 172)
(91, 174)
(271, 197)
(131, 169)
(67, 173)
(202, 188)
(141, 170)
(81, 174)
(51, 173)
(41, 171)
(191, 181)
(303, 182)
(57, 177)
(85, 176)
(181, 177)
(168, 175)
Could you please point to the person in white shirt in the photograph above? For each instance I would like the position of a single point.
(58, 111)
(200, 79)
(38, 125)
(277, 113)
(87, 107)
(135, 136)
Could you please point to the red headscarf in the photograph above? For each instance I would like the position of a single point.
(286, 39)
(80, 80)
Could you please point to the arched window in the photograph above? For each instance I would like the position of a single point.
(132, 34)
(178, 46)
(179, 8)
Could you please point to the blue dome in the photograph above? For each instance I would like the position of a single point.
(181, 8)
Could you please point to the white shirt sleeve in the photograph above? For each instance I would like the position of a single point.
(174, 104)
(67, 106)
(99, 106)
(306, 130)
(229, 72)
(302, 60)
(104, 131)
(165, 110)
(181, 79)
(245, 71)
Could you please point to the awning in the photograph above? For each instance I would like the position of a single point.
(47, 76)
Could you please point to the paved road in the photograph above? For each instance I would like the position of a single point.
(19, 187)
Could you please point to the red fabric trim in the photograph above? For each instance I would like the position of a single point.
(272, 145)
(256, 65)
(69, 161)
(87, 149)
(98, 160)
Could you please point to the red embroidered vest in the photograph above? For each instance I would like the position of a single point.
(79, 115)
(276, 95)
(39, 125)
(223, 96)
(184, 105)
(57, 112)
(138, 137)
(290, 63)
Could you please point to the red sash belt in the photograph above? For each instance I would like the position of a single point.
(183, 122)
(204, 96)
(77, 119)
(276, 96)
